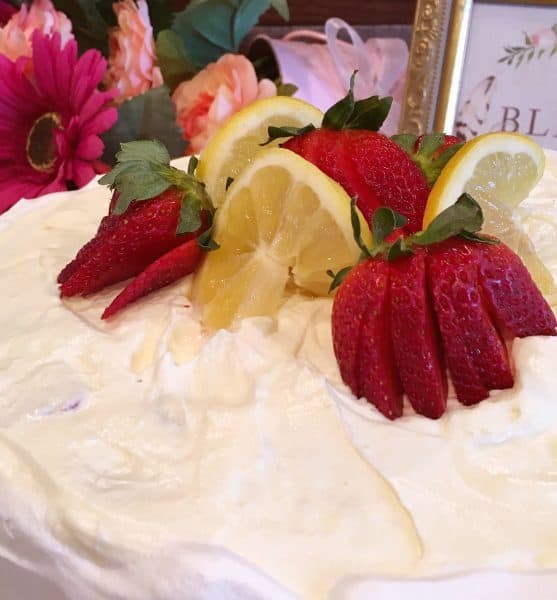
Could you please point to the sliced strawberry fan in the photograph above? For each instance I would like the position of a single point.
(153, 232)
(443, 295)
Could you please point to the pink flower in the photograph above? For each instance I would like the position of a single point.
(132, 62)
(214, 94)
(15, 36)
(544, 38)
(50, 127)
(6, 11)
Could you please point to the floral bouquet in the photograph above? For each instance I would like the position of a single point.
(79, 77)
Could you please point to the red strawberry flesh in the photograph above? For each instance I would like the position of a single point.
(415, 338)
(370, 167)
(376, 371)
(476, 355)
(349, 310)
(124, 248)
(179, 262)
(515, 301)
(361, 337)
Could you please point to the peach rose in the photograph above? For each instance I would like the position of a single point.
(15, 36)
(132, 61)
(214, 94)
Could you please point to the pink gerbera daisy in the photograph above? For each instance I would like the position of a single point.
(50, 125)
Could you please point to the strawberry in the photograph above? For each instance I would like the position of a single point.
(431, 152)
(447, 283)
(511, 294)
(173, 265)
(370, 167)
(155, 208)
(135, 240)
(363, 348)
(476, 356)
(415, 337)
(367, 164)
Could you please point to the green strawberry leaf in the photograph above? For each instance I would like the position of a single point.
(430, 143)
(338, 277)
(337, 116)
(276, 133)
(190, 217)
(286, 89)
(479, 238)
(406, 141)
(143, 171)
(370, 113)
(357, 230)
(192, 165)
(384, 221)
(206, 242)
(464, 216)
(398, 249)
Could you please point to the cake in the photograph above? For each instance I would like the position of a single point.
(145, 458)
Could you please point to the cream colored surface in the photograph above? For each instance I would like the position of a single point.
(148, 459)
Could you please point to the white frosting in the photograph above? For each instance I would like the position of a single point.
(148, 459)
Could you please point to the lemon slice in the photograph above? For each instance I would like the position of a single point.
(283, 224)
(235, 144)
(499, 170)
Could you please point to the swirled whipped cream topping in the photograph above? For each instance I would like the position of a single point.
(149, 459)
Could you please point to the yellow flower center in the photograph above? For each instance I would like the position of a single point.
(41, 146)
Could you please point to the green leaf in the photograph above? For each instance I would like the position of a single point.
(357, 230)
(384, 221)
(160, 15)
(338, 277)
(211, 28)
(173, 63)
(190, 218)
(286, 89)
(370, 113)
(465, 215)
(281, 6)
(406, 141)
(192, 165)
(337, 116)
(206, 242)
(246, 18)
(143, 171)
(430, 143)
(275, 133)
(397, 250)
(151, 115)
(479, 238)
(89, 27)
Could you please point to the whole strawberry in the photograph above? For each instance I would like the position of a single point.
(155, 210)
(371, 167)
(431, 152)
(442, 298)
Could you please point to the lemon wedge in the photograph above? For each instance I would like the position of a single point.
(282, 225)
(235, 144)
(499, 170)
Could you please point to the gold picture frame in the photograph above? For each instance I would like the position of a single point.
(436, 62)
